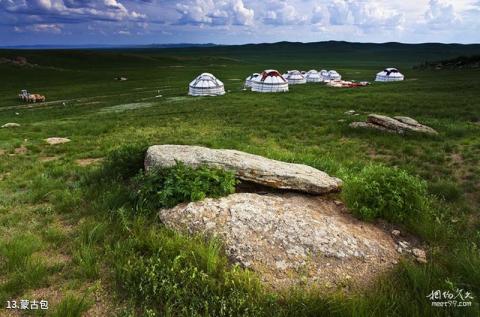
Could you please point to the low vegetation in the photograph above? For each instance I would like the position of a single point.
(378, 191)
(75, 235)
(165, 188)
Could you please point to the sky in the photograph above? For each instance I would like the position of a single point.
(125, 22)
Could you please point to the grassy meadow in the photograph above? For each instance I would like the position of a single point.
(71, 233)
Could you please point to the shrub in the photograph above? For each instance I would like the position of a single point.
(378, 191)
(165, 188)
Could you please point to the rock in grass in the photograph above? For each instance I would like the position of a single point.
(398, 125)
(248, 167)
(290, 236)
(369, 125)
(57, 140)
(11, 125)
(420, 255)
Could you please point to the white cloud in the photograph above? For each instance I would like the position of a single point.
(231, 12)
(440, 15)
(363, 14)
(282, 13)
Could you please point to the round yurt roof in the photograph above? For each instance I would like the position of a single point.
(252, 76)
(295, 77)
(389, 74)
(206, 84)
(313, 76)
(269, 80)
(270, 76)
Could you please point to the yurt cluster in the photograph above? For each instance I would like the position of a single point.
(270, 81)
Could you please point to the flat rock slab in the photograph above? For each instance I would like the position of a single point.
(56, 140)
(288, 237)
(248, 167)
(11, 125)
(397, 124)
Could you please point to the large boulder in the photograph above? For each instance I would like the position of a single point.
(398, 124)
(289, 237)
(248, 167)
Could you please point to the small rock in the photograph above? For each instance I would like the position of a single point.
(420, 255)
(10, 125)
(338, 202)
(396, 233)
(57, 140)
(404, 244)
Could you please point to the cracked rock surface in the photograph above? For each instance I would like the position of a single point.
(290, 237)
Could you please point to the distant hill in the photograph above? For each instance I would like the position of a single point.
(460, 62)
(280, 55)
(105, 46)
(355, 54)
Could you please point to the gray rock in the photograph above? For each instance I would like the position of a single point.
(246, 166)
(407, 120)
(11, 125)
(57, 140)
(396, 233)
(420, 255)
(369, 125)
(399, 126)
(288, 236)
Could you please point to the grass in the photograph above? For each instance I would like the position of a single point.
(56, 208)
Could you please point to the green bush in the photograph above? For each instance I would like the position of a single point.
(378, 191)
(164, 188)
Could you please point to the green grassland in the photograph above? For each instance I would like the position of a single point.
(67, 233)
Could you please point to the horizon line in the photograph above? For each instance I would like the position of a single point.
(188, 44)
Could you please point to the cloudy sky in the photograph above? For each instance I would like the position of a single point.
(78, 22)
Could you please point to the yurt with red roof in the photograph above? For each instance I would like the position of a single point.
(206, 85)
(269, 81)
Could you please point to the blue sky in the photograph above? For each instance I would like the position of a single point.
(79, 22)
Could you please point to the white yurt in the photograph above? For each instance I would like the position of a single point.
(324, 74)
(389, 74)
(206, 85)
(294, 77)
(313, 76)
(248, 80)
(269, 81)
(333, 75)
